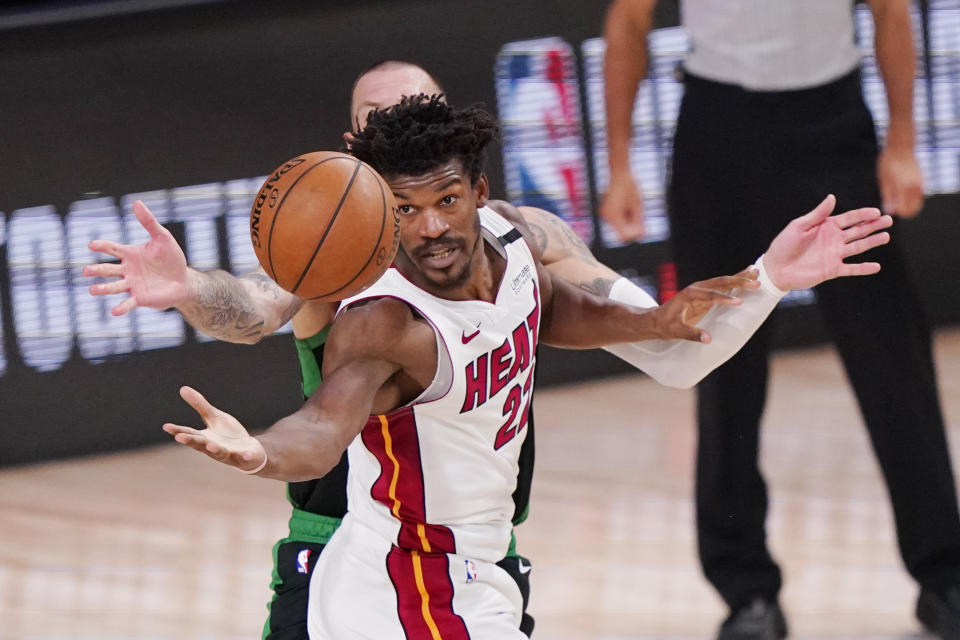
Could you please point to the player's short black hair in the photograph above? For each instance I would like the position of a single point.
(423, 132)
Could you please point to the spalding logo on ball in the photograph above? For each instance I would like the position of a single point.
(325, 226)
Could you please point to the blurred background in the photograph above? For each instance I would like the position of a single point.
(187, 104)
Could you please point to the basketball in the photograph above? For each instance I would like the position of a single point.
(324, 226)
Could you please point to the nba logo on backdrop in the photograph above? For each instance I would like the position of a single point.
(544, 158)
(303, 561)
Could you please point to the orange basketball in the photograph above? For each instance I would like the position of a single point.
(325, 226)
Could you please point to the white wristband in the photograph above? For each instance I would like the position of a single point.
(258, 468)
(625, 292)
(764, 278)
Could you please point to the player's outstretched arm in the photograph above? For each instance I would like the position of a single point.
(377, 357)
(810, 250)
(156, 275)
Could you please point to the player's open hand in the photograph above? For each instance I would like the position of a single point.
(622, 207)
(154, 274)
(224, 439)
(812, 248)
(679, 316)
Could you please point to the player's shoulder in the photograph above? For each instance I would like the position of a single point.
(506, 209)
(374, 326)
(380, 329)
(515, 216)
(375, 315)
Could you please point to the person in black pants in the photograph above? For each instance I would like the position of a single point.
(756, 141)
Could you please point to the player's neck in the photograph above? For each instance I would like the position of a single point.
(486, 274)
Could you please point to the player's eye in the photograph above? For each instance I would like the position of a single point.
(448, 200)
(405, 209)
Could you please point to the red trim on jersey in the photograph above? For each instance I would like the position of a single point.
(425, 595)
(393, 440)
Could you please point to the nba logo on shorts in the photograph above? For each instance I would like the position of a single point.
(303, 561)
(471, 571)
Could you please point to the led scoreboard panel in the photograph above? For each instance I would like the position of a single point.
(52, 309)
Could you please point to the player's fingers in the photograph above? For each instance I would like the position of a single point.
(107, 246)
(109, 288)
(196, 400)
(856, 216)
(746, 279)
(750, 272)
(148, 220)
(176, 429)
(687, 329)
(865, 244)
(859, 269)
(103, 269)
(719, 293)
(819, 213)
(188, 436)
(126, 306)
(866, 228)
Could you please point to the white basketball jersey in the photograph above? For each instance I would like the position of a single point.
(437, 475)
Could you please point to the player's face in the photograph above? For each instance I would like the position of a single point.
(440, 242)
(385, 87)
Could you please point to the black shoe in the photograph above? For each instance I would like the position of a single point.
(939, 611)
(759, 620)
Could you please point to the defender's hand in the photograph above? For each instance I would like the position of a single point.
(622, 207)
(155, 274)
(679, 315)
(811, 249)
(224, 439)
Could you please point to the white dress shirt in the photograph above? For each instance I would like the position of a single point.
(770, 45)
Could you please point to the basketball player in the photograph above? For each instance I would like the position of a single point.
(442, 421)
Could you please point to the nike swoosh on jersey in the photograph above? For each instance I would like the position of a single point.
(524, 568)
(467, 338)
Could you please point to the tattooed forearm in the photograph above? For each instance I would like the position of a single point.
(224, 309)
(598, 286)
(263, 282)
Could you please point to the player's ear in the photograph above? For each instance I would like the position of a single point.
(348, 138)
(482, 188)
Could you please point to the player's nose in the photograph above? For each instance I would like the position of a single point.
(434, 224)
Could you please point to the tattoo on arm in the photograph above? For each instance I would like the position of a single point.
(598, 286)
(225, 310)
(574, 243)
(263, 282)
(539, 235)
(266, 284)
